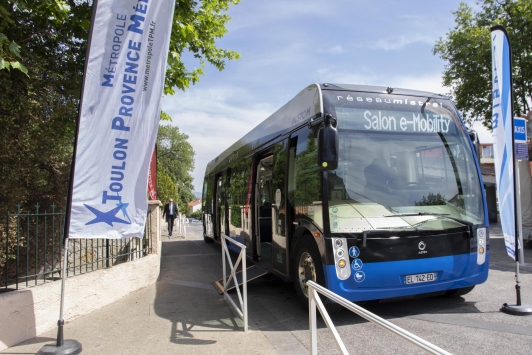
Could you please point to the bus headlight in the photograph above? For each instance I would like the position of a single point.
(340, 253)
(338, 243)
(342, 263)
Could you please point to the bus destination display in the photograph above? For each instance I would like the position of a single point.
(393, 121)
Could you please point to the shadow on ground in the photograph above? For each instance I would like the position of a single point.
(185, 297)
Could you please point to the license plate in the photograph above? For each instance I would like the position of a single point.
(419, 278)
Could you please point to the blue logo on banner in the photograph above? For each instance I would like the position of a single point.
(360, 276)
(357, 264)
(354, 252)
(110, 216)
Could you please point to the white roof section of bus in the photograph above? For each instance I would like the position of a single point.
(297, 112)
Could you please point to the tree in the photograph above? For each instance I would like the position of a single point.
(467, 51)
(166, 188)
(195, 28)
(46, 40)
(38, 110)
(175, 159)
(9, 49)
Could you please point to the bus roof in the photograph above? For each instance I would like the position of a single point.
(381, 89)
(306, 105)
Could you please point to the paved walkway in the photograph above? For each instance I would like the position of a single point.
(183, 314)
(179, 314)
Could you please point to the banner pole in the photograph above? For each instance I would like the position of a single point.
(70, 346)
(518, 308)
(518, 229)
(61, 320)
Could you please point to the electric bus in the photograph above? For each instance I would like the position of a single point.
(372, 192)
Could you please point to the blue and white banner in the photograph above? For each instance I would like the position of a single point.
(119, 117)
(503, 128)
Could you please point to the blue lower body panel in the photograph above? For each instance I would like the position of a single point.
(381, 280)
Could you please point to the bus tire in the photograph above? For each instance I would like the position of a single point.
(457, 292)
(207, 239)
(308, 266)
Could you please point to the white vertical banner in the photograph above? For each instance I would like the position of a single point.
(119, 117)
(503, 130)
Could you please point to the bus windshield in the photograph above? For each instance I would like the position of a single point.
(408, 166)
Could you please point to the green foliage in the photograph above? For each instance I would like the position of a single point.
(238, 188)
(175, 157)
(38, 110)
(236, 216)
(53, 10)
(196, 215)
(165, 117)
(467, 51)
(42, 49)
(166, 188)
(196, 26)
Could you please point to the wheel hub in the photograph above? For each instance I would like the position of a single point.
(306, 271)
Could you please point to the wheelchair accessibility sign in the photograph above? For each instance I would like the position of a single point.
(357, 264)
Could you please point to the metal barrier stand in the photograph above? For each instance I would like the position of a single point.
(315, 302)
(243, 310)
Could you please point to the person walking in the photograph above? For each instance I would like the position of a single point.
(170, 211)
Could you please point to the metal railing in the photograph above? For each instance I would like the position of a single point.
(243, 300)
(315, 302)
(31, 249)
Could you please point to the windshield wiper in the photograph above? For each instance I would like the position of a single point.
(442, 215)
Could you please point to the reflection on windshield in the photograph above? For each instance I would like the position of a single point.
(391, 173)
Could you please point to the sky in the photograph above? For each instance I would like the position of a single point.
(286, 45)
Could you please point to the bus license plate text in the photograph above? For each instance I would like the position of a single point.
(415, 279)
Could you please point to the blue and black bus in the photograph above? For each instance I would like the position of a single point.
(372, 192)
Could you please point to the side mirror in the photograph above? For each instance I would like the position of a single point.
(476, 143)
(328, 144)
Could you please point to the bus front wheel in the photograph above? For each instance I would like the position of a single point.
(207, 239)
(308, 267)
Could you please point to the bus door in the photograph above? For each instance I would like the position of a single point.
(207, 206)
(279, 215)
(263, 205)
(220, 208)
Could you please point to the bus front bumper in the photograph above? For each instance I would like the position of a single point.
(381, 280)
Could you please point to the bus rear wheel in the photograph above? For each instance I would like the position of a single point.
(457, 292)
(308, 267)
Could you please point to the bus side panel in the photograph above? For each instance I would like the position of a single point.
(388, 279)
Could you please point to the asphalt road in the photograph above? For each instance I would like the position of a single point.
(471, 324)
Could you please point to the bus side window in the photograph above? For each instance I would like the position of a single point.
(209, 195)
(305, 187)
(237, 193)
(204, 196)
(291, 171)
(229, 192)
